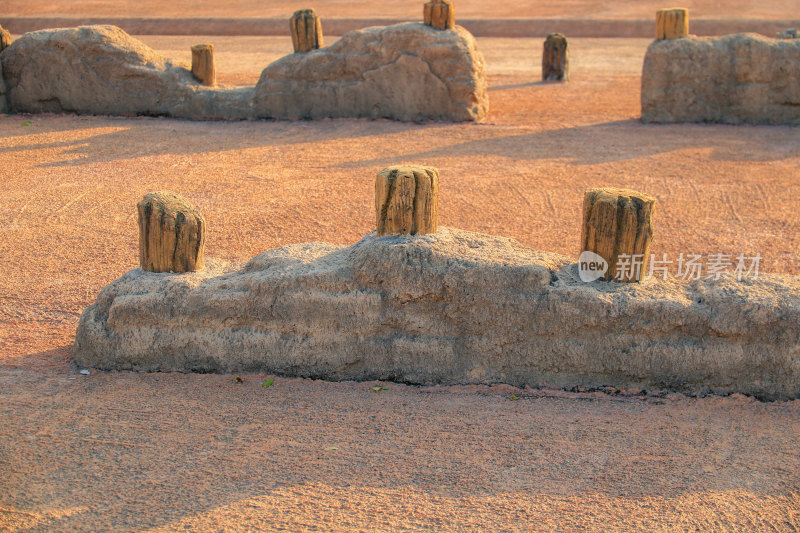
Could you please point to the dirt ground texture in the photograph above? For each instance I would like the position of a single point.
(586, 9)
(162, 452)
(121, 451)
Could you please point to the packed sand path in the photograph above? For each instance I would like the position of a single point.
(125, 451)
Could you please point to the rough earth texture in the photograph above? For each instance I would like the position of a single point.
(170, 451)
(3, 100)
(454, 307)
(407, 71)
(743, 78)
(103, 70)
(553, 9)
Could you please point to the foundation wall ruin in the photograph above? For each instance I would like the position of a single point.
(742, 78)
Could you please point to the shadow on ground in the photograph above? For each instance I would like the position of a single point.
(123, 450)
(99, 139)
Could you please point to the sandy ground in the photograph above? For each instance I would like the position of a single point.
(122, 451)
(575, 18)
(239, 60)
(586, 9)
(177, 452)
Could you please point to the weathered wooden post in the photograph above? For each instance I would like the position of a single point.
(407, 200)
(5, 38)
(306, 30)
(617, 226)
(172, 233)
(555, 58)
(672, 23)
(440, 14)
(203, 64)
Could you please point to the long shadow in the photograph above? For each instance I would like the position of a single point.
(620, 141)
(215, 445)
(152, 136)
(516, 85)
(578, 145)
(58, 357)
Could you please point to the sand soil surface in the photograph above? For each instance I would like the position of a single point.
(525, 9)
(126, 451)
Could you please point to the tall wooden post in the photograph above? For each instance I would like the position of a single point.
(440, 14)
(672, 23)
(306, 30)
(407, 200)
(172, 233)
(555, 58)
(203, 64)
(617, 226)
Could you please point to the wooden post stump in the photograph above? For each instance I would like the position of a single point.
(407, 200)
(172, 233)
(555, 58)
(440, 14)
(203, 64)
(5, 38)
(617, 226)
(672, 23)
(306, 30)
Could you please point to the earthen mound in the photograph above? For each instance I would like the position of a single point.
(742, 78)
(406, 72)
(451, 307)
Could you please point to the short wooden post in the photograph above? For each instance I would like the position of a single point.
(617, 226)
(672, 23)
(407, 200)
(440, 14)
(172, 233)
(203, 64)
(306, 30)
(555, 58)
(5, 38)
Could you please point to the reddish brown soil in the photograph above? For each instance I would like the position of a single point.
(586, 9)
(129, 451)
